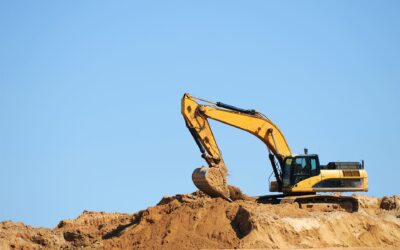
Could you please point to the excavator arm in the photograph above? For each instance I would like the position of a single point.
(213, 179)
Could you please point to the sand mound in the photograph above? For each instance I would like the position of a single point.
(198, 221)
(390, 203)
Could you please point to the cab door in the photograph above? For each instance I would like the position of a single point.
(304, 167)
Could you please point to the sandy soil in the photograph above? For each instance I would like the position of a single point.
(196, 221)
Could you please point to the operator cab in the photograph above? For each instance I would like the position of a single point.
(298, 168)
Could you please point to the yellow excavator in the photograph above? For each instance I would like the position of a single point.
(297, 177)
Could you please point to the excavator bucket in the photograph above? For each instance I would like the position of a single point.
(211, 181)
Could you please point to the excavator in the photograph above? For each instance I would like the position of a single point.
(298, 177)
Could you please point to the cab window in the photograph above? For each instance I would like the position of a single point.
(301, 170)
(314, 170)
(286, 172)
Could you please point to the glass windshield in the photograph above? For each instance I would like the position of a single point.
(299, 168)
(304, 167)
(286, 172)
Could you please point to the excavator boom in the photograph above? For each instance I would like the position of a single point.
(213, 179)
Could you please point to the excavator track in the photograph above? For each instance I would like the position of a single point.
(325, 202)
(313, 202)
(211, 181)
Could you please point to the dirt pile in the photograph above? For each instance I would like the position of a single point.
(198, 221)
(390, 203)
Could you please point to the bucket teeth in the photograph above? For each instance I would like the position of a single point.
(211, 181)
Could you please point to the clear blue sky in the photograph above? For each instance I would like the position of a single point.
(90, 95)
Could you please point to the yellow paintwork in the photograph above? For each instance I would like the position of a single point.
(196, 116)
(200, 124)
(254, 124)
(306, 185)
